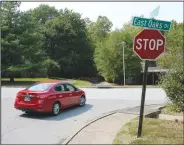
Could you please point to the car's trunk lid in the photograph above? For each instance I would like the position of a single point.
(27, 96)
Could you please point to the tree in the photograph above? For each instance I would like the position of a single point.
(67, 43)
(43, 13)
(30, 42)
(97, 32)
(22, 41)
(173, 46)
(11, 53)
(109, 57)
(100, 29)
(88, 22)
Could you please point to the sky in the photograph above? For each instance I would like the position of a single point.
(118, 12)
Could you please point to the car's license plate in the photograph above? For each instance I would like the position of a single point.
(27, 99)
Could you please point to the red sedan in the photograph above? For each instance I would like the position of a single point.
(49, 97)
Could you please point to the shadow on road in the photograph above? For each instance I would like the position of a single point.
(66, 113)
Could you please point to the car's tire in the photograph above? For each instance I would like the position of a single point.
(56, 108)
(82, 101)
(29, 113)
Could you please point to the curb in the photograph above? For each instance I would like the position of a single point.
(68, 139)
(112, 87)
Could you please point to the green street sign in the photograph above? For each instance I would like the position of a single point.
(151, 23)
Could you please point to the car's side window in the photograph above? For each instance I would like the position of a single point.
(59, 88)
(69, 88)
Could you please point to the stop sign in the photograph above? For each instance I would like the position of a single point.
(149, 44)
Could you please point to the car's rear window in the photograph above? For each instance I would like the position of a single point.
(40, 87)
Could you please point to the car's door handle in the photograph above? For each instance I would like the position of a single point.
(70, 94)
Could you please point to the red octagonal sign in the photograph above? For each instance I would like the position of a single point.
(149, 44)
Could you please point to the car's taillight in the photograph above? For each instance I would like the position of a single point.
(42, 97)
(34, 96)
(16, 99)
(18, 94)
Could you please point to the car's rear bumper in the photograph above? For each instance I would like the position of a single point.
(30, 107)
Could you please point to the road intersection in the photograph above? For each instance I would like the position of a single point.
(19, 128)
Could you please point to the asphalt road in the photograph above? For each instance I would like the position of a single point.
(19, 128)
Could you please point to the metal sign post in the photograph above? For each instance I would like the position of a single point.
(143, 98)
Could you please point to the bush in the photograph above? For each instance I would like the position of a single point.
(52, 68)
(172, 108)
(173, 81)
(173, 84)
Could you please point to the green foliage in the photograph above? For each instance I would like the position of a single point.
(173, 84)
(10, 51)
(43, 13)
(81, 83)
(109, 57)
(100, 29)
(173, 81)
(53, 68)
(174, 45)
(31, 70)
(67, 43)
(22, 43)
(172, 109)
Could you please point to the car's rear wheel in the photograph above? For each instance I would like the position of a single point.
(29, 112)
(56, 108)
(82, 101)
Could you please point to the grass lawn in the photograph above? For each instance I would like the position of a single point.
(81, 83)
(155, 131)
(31, 79)
(134, 86)
(75, 82)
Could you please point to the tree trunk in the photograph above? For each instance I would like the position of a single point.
(11, 79)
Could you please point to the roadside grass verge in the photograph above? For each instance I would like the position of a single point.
(31, 79)
(28, 81)
(171, 109)
(155, 131)
(81, 83)
(134, 86)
